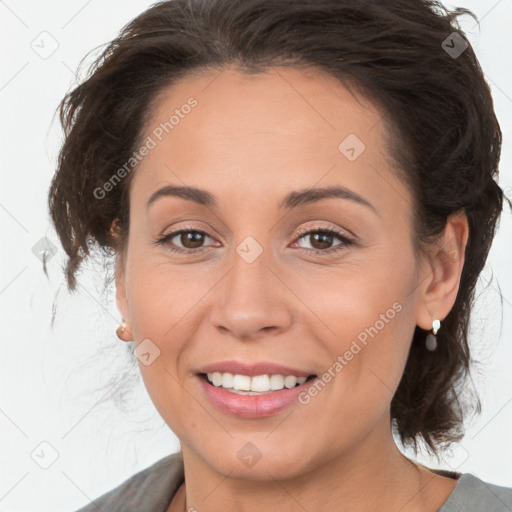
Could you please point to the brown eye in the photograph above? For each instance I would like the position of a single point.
(184, 240)
(321, 240)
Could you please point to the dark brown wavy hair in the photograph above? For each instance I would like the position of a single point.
(441, 125)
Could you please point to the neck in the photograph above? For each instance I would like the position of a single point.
(372, 476)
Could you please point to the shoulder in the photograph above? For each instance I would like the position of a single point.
(150, 489)
(471, 494)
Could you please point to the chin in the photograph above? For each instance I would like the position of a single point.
(257, 457)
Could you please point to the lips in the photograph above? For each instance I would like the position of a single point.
(252, 369)
(253, 404)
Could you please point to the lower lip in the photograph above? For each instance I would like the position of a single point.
(252, 406)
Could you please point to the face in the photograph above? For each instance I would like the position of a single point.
(268, 277)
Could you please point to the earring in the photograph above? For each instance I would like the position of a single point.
(431, 341)
(121, 330)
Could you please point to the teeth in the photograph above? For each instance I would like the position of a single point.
(254, 385)
(217, 378)
(276, 382)
(260, 383)
(242, 382)
(227, 380)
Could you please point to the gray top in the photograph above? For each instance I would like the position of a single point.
(152, 489)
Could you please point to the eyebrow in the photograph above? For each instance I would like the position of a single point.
(292, 200)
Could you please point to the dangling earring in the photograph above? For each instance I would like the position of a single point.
(431, 341)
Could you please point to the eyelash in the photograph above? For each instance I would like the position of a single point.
(324, 230)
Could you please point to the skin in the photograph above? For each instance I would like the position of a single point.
(251, 140)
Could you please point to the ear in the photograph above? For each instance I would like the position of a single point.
(121, 297)
(440, 280)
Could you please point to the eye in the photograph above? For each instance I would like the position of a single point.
(189, 238)
(322, 239)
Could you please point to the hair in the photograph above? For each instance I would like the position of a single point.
(441, 131)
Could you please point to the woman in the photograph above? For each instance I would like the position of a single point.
(300, 197)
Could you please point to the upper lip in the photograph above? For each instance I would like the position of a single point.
(251, 369)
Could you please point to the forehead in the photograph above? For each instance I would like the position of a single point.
(281, 129)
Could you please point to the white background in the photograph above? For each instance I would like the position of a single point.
(56, 383)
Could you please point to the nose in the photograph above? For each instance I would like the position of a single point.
(251, 302)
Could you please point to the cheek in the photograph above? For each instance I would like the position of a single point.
(365, 365)
(371, 321)
(163, 296)
(164, 303)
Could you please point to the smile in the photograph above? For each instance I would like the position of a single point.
(252, 396)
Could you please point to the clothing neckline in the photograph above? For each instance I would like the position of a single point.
(465, 481)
